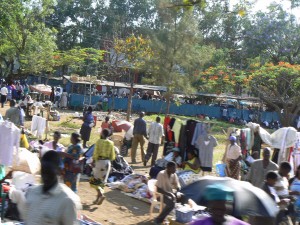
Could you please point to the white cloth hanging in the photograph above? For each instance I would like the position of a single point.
(38, 125)
(284, 137)
(9, 142)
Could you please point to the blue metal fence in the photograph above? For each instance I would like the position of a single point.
(138, 105)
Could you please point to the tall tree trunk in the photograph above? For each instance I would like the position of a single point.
(48, 78)
(168, 97)
(129, 103)
(112, 107)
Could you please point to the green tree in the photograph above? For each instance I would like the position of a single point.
(279, 87)
(178, 52)
(24, 38)
(273, 36)
(136, 52)
(90, 23)
(82, 61)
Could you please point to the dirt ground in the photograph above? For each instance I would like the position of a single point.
(117, 209)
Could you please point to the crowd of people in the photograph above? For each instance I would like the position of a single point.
(60, 164)
(13, 90)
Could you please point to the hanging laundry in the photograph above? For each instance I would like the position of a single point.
(183, 141)
(176, 129)
(38, 125)
(296, 153)
(189, 132)
(200, 130)
(206, 145)
(9, 141)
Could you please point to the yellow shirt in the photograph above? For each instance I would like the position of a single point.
(193, 162)
(104, 149)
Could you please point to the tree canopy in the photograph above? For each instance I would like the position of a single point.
(192, 45)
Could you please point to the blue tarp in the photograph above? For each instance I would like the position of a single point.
(138, 105)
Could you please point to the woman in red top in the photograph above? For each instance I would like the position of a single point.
(107, 125)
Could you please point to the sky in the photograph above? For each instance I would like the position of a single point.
(263, 4)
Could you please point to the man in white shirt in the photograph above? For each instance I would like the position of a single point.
(4, 93)
(52, 202)
(167, 184)
(156, 133)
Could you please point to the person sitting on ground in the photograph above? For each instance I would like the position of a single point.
(104, 153)
(107, 125)
(51, 202)
(160, 164)
(219, 198)
(192, 164)
(167, 182)
(54, 145)
(176, 157)
(13, 114)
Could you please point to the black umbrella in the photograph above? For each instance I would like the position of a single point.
(248, 199)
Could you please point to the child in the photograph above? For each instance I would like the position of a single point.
(268, 186)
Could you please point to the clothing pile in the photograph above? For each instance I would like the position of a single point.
(187, 177)
(134, 185)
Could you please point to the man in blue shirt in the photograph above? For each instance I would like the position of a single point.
(139, 135)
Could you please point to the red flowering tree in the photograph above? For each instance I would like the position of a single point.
(222, 79)
(279, 87)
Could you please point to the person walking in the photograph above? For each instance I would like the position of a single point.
(72, 165)
(260, 168)
(233, 157)
(156, 134)
(14, 114)
(139, 135)
(88, 124)
(4, 92)
(104, 153)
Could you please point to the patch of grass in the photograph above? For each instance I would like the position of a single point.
(69, 123)
(93, 138)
